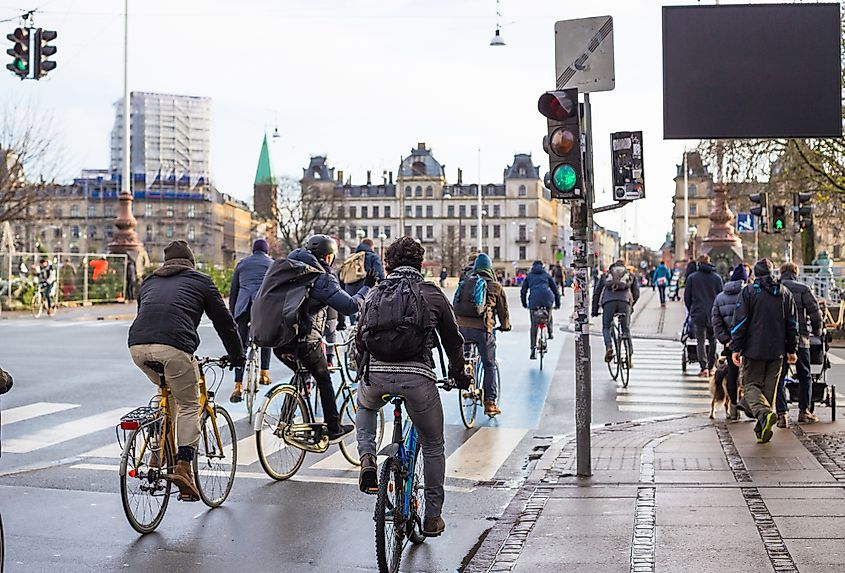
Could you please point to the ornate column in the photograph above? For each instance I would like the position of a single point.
(722, 243)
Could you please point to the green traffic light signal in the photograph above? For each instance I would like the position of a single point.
(21, 65)
(779, 224)
(564, 178)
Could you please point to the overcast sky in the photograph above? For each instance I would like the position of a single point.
(360, 80)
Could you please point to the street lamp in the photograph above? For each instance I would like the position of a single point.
(382, 237)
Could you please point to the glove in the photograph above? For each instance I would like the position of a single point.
(505, 328)
(461, 377)
(594, 314)
(371, 279)
(341, 325)
(235, 362)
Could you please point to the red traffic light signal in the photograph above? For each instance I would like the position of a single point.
(559, 105)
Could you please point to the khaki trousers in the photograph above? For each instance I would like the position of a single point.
(182, 376)
(760, 384)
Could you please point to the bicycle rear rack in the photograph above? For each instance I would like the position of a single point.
(134, 420)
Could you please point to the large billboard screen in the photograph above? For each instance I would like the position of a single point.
(751, 71)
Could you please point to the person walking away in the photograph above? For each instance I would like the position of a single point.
(699, 295)
(354, 270)
(246, 282)
(809, 322)
(538, 293)
(171, 302)
(479, 300)
(400, 324)
(660, 278)
(692, 266)
(616, 292)
(765, 328)
(723, 320)
(559, 275)
(443, 276)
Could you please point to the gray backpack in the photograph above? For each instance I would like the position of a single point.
(618, 278)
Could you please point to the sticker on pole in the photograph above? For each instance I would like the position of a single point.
(626, 150)
(584, 54)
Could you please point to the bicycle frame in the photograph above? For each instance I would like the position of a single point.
(402, 447)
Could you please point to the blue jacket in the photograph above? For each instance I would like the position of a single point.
(371, 261)
(246, 282)
(661, 271)
(539, 288)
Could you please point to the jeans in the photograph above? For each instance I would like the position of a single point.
(313, 359)
(805, 382)
(535, 322)
(704, 333)
(661, 290)
(422, 401)
(760, 384)
(243, 330)
(486, 343)
(609, 309)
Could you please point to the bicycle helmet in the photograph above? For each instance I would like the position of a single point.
(321, 245)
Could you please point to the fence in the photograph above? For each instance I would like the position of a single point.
(80, 278)
(825, 282)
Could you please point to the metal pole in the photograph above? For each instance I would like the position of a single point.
(479, 200)
(686, 205)
(582, 251)
(124, 182)
(401, 192)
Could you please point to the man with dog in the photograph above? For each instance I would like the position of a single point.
(765, 329)
(723, 320)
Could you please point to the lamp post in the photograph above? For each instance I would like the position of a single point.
(382, 237)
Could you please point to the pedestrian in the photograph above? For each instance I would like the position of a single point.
(468, 269)
(650, 279)
(699, 295)
(765, 329)
(246, 282)
(616, 292)
(660, 278)
(692, 266)
(538, 294)
(723, 321)
(809, 322)
(443, 276)
(559, 275)
(355, 268)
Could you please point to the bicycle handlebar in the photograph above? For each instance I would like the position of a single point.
(447, 384)
(222, 362)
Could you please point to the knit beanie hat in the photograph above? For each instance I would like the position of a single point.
(482, 261)
(739, 273)
(763, 268)
(261, 245)
(178, 250)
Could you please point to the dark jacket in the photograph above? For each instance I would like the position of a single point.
(539, 289)
(325, 292)
(604, 295)
(806, 308)
(722, 316)
(246, 282)
(371, 262)
(700, 292)
(497, 306)
(171, 303)
(692, 266)
(764, 322)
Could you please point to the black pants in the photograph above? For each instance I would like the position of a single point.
(732, 377)
(486, 343)
(805, 382)
(243, 330)
(704, 333)
(313, 358)
(661, 289)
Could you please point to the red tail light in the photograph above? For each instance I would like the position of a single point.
(129, 424)
(132, 473)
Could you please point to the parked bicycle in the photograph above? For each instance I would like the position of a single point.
(149, 452)
(472, 398)
(619, 367)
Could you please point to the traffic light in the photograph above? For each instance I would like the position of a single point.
(778, 218)
(565, 178)
(19, 52)
(761, 199)
(803, 216)
(43, 50)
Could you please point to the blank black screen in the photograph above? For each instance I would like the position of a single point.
(741, 71)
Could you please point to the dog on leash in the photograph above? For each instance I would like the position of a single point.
(719, 387)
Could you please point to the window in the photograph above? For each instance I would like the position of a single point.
(109, 211)
(168, 231)
(522, 235)
(57, 232)
(109, 232)
(192, 211)
(497, 231)
(192, 233)
(148, 210)
(429, 211)
(92, 211)
(74, 230)
(693, 209)
(375, 211)
(407, 230)
(57, 212)
(429, 191)
(523, 192)
(473, 232)
(92, 232)
(462, 211)
(450, 211)
(341, 232)
(837, 251)
(387, 211)
(429, 231)
(169, 211)
(408, 191)
(365, 212)
(522, 253)
(409, 211)
(692, 191)
(497, 210)
(341, 212)
(522, 210)
(74, 210)
(419, 234)
(363, 231)
(473, 211)
(387, 231)
(497, 253)
(485, 232)
(418, 191)
(521, 171)
(418, 213)
(149, 232)
(418, 168)
(353, 212)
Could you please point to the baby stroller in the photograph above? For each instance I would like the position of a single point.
(689, 354)
(674, 285)
(822, 393)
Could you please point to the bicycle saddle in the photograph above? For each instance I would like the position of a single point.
(156, 367)
(392, 397)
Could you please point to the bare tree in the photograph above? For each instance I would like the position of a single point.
(453, 252)
(303, 212)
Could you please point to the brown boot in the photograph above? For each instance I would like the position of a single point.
(264, 378)
(235, 396)
(783, 421)
(807, 417)
(491, 409)
(183, 477)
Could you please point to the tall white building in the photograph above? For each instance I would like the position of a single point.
(170, 139)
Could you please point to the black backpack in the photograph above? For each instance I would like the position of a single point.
(471, 297)
(277, 309)
(396, 320)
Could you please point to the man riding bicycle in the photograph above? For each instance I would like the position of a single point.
(539, 291)
(617, 292)
(171, 303)
(46, 274)
(400, 362)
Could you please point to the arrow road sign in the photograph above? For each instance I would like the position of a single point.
(745, 222)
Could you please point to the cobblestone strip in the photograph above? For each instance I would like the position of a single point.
(775, 547)
(645, 513)
(826, 448)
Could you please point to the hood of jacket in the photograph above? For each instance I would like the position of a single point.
(787, 276)
(706, 267)
(364, 248)
(768, 284)
(733, 287)
(538, 268)
(174, 267)
(305, 256)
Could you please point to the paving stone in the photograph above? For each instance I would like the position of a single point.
(826, 527)
(817, 554)
(806, 507)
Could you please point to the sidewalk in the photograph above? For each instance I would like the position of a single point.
(677, 495)
(110, 311)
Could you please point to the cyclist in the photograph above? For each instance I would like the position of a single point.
(307, 349)
(616, 292)
(413, 375)
(478, 301)
(46, 274)
(171, 303)
(246, 282)
(539, 291)
(356, 267)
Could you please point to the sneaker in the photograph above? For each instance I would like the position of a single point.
(342, 431)
(533, 355)
(733, 413)
(368, 478)
(551, 334)
(264, 378)
(433, 526)
(783, 421)
(491, 409)
(235, 396)
(608, 355)
(183, 477)
(704, 373)
(807, 417)
(766, 424)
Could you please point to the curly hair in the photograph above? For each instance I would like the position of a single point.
(404, 252)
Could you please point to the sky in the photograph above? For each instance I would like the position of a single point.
(359, 80)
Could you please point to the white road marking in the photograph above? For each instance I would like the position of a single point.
(64, 432)
(480, 457)
(662, 399)
(29, 411)
(834, 359)
(662, 409)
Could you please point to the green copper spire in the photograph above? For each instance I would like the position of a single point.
(264, 173)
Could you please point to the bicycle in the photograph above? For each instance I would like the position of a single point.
(619, 366)
(470, 399)
(251, 374)
(400, 501)
(39, 302)
(150, 452)
(542, 342)
(287, 427)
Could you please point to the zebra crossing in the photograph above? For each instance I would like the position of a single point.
(657, 385)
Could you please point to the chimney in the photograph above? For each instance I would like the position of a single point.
(421, 146)
(460, 176)
(369, 182)
(340, 176)
(390, 178)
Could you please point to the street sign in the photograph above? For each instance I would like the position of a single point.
(626, 149)
(745, 222)
(584, 54)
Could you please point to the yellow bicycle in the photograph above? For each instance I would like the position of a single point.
(149, 452)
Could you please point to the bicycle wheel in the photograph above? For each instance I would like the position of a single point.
(251, 387)
(468, 404)
(144, 492)
(348, 415)
(541, 345)
(613, 365)
(622, 354)
(498, 383)
(390, 532)
(216, 461)
(36, 305)
(283, 407)
(415, 520)
(2, 550)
